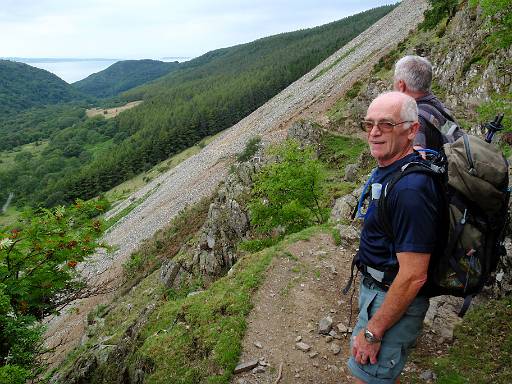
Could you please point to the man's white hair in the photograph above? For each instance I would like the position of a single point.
(415, 71)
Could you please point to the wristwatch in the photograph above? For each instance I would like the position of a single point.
(370, 337)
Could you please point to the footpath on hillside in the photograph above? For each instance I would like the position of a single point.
(302, 288)
(286, 340)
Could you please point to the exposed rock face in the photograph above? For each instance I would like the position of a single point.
(469, 81)
(351, 172)
(345, 205)
(227, 223)
(442, 318)
(90, 365)
(306, 133)
(228, 217)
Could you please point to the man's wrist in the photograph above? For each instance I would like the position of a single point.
(371, 337)
(375, 331)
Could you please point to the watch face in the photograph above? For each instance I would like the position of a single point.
(370, 337)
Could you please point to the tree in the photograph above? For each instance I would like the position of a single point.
(288, 192)
(38, 276)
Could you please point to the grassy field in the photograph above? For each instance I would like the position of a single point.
(108, 113)
(10, 217)
(8, 158)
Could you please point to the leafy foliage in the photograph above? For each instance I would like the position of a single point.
(38, 276)
(499, 13)
(24, 87)
(439, 9)
(289, 192)
(38, 124)
(250, 149)
(122, 76)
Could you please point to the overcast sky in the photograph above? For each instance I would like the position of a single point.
(154, 28)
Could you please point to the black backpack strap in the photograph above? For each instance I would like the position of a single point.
(351, 280)
(382, 207)
(465, 305)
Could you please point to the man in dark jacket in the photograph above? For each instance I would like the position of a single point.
(413, 76)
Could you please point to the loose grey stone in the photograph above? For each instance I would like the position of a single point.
(257, 344)
(303, 346)
(247, 366)
(336, 349)
(428, 376)
(342, 328)
(259, 369)
(333, 333)
(325, 325)
(313, 354)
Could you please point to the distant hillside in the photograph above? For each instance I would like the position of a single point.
(23, 87)
(122, 76)
(200, 98)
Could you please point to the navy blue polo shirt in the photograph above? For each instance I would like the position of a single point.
(414, 213)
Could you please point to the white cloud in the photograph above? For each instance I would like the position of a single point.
(153, 28)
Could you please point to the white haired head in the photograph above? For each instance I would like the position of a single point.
(415, 72)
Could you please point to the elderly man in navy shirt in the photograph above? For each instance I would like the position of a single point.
(391, 305)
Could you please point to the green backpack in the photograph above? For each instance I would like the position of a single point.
(473, 175)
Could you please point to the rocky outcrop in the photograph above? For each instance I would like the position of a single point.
(106, 362)
(227, 223)
(228, 217)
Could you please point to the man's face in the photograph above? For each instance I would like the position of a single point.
(388, 147)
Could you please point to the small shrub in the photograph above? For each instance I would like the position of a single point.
(257, 245)
(252, 146)
(439, 9)
(354, 91)
(289, 192)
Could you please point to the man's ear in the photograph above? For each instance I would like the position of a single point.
(414, 128)
(401, 86)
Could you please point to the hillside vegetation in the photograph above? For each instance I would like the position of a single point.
(205, 96)
(25, 87)
(122, 76)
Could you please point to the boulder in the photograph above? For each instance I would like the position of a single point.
(351, 171)
(169, 272)
(343, 208)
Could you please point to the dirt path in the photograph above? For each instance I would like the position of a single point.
(301, 288)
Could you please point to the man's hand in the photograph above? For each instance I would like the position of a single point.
(419, 149)
(363, 350)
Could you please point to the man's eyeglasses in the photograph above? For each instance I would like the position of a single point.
(384, 126)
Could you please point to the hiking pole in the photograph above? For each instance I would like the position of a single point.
(493, 127)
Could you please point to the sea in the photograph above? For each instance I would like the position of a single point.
(72, 70)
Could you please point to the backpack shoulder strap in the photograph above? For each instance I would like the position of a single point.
(382, 207)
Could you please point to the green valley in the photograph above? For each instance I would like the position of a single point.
(200, 98)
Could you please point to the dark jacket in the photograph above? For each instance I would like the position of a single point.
(432, 115)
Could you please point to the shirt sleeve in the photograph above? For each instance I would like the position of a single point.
(415, 215)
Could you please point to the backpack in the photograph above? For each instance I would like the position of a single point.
(473, 177)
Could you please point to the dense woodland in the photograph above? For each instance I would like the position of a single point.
(124, 75)
(200, 98)
(23, 87)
